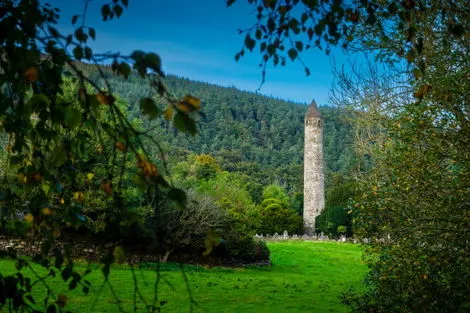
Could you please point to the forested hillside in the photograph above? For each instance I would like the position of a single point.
(255, 135)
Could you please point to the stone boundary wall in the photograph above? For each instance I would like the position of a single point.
(91, 251)
(31, 247)
(305, 237)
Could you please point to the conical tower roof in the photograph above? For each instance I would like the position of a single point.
(312, 111)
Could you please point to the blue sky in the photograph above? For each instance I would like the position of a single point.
(198, 40)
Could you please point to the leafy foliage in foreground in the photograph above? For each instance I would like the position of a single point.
(413, 207)
(68, 143)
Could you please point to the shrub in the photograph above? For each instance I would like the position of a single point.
(275, 217)
(241, 248)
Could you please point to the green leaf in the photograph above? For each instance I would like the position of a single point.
(119, 255)
(72, 284)
(51, 309)
(149, 108)
(78, 53)
(271, 49)
(92, 33)
(118, 10)
(393, 8)
(30, 299)
(184, 123)
(457, 30)
(271, 24)
(292, 53)
(67, 272)
(140, 182)
(59, 155)
(59, 257)
(307, 71)
(177, 195)
(262, 47)
(137, 55)
(107, 259)
(124, 69)
(73, 117)
(293, 24)
(304, 18)
(75, 19)
(125, 3)
(249, 42)
(258, 34)
(54, 32)
(68, 40)
(299, 45)
(106, 12)
(88, 53)
(275, 59)
(153, 61)
(46, 247)
(45, 188)
(36, 103)
(80, 35)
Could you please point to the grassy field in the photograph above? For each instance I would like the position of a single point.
(304, 277)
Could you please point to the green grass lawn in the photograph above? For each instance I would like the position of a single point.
(304, 277)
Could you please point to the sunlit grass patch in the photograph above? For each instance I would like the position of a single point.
(304, 277)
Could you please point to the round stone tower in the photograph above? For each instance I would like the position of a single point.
(314, 198)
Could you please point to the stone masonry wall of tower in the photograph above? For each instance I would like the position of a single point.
(314, 199)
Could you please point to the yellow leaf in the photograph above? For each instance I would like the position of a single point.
(119, 255)
(45, 188)
(99, 149)
(90, 176)
(107, 188)
(168, 114)
(62, 300)
(29, 218)
(102, 98)
(120, 146)
(82, 94)
(212, 240)
(105, 99)
(46, 211)
(183, 106)
(78, 196)
(22, 178)
(31, 74)
(149, 169)
(193, 101)
(36, 176)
